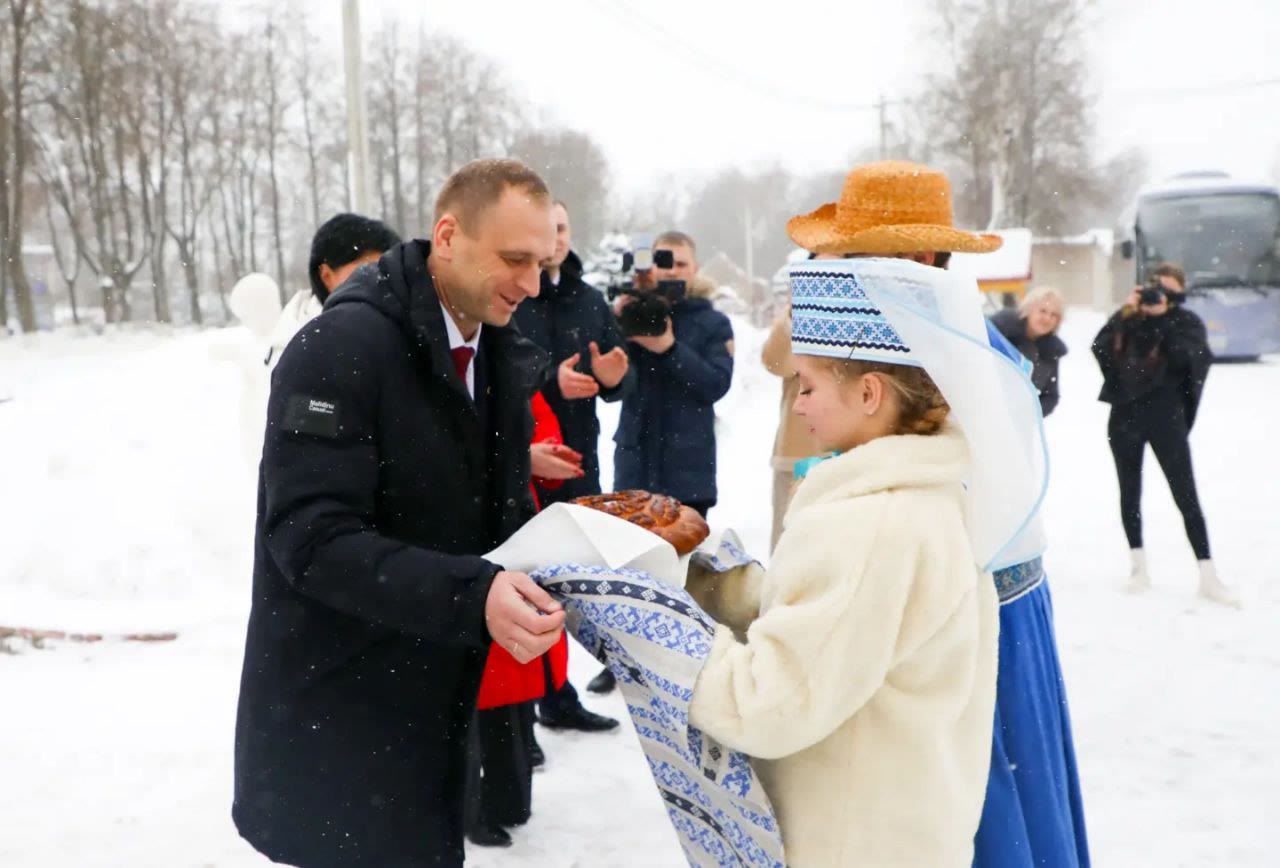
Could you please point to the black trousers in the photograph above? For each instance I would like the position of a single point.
(558, 703)
(1162, 424)
(499, 774)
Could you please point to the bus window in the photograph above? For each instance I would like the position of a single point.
(1229, 239)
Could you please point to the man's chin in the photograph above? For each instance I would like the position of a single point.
(498, 318)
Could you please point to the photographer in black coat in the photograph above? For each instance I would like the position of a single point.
(666, 438)
(1154, 356)
(396, 454)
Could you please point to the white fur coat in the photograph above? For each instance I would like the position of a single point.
(865, 682)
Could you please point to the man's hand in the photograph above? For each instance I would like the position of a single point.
(573, 385)
(660, 343)
(609, 368)
(522, 617)
(555, 461)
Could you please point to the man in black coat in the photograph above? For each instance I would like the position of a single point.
(666, 439)
(571, 320)
(396, 453)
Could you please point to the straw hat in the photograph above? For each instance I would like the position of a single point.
(885, 209)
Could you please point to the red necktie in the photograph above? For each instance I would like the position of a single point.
(461, 359)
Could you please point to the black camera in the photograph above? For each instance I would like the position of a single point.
(1152, 293)
(646, 315)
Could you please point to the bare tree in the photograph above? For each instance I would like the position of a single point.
(98, 162)
(389, 88)
(19, 17)
(1011, 114)
(194, 70)
(305, 80)
(68, 262)
(575, 167)
(274, 105)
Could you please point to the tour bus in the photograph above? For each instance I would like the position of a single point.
(1225, 233)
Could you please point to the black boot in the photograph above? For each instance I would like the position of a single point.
(580, 719)
(537, 759)
(603, 683)
(488, 835)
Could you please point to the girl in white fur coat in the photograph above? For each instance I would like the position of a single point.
(860, 668)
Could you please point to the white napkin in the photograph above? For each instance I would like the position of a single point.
(565, 533)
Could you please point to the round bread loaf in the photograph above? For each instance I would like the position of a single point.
(677, 524)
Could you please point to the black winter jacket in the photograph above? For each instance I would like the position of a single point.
(563, 320)
(1043, 353)
(381, 485)
(1154, 361)
(666, 439)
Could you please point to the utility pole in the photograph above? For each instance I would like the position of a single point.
(749, 238)
(357, 121)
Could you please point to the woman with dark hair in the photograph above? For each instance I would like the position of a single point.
(1154, 355)
(1032, 327)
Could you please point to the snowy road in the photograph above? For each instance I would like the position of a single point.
(127, 505)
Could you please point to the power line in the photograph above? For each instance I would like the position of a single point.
(1199, 89)
(682, 49)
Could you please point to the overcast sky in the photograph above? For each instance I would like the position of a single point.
(681, 85)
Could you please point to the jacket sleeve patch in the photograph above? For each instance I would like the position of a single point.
(307, 415)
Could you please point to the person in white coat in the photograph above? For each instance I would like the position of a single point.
(860, 670)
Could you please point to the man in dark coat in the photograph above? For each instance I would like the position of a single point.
(1154, 355)
(396, 453)
(571, 320)
(666, 440)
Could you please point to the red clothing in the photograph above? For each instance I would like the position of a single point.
(546, 429)
(506, 681)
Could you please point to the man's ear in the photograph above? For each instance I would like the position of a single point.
(442, 237)
(326, 276)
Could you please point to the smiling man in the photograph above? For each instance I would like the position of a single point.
(396, 454)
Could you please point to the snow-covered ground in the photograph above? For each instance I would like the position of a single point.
(127, 503)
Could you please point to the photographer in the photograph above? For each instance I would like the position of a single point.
(1154, 356)
(666, 441)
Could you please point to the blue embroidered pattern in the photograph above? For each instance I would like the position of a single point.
(831, 309)
(637, 626)
(1016, 581)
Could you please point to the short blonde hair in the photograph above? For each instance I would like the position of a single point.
(481, 183)
(1039, 294)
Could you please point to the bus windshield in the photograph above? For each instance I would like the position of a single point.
(1219, 240)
